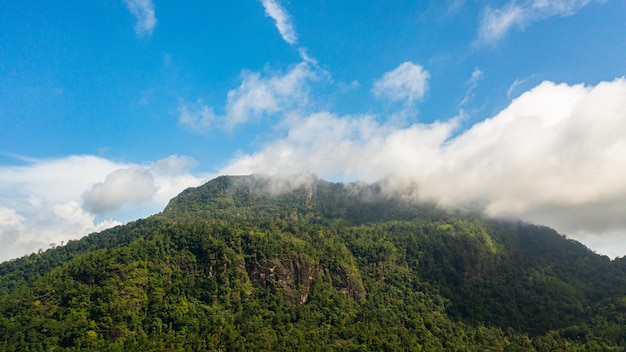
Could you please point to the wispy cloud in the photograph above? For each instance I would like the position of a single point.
(555, 154)
(284, 25)
(257, 96)
(513, 87)
(497, 22)
(454, 6)
(196, 116)
(408, 82)
(50, 201)
(143, 10)
(471, 85)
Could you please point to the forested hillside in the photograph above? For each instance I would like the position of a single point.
(257, 263)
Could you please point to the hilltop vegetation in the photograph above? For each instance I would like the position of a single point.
(257, 263)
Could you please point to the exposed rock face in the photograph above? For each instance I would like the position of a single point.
(348, 281)
(293, 275)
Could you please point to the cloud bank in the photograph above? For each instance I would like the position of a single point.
(143, 10)
(496, 23)
(556, 154)
(51, 201)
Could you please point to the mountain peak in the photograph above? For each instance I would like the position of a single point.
(261, 263)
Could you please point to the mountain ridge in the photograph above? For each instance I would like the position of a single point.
(266, 263)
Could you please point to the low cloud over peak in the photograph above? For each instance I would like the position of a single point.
(556, 147)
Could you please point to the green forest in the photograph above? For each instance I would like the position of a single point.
(255, 263)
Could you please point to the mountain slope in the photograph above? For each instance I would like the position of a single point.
(260, 263)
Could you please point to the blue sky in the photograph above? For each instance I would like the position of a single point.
(109, 108)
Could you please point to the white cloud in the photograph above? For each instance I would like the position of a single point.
(39, 203)
(130, 186)
(20, 235)
(407, 82)
(256, 96)
(548, 146)
(274, 10)
(143, 10)
(42, 202)
(56, 179)
(496, 23)
(171, 176)
(11, 226)
(555, 154)
(172, 165)
(348, 147)
(141, 186)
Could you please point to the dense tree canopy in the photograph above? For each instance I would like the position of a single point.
(256, 263)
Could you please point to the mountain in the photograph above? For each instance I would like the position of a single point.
(257, 263)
